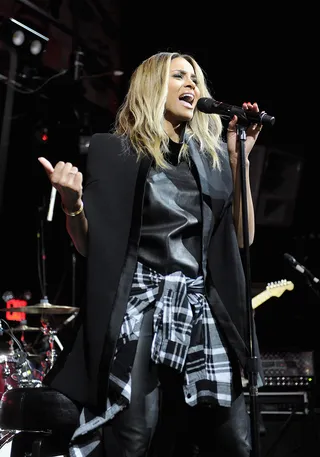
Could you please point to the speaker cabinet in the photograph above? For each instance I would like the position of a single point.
(290, 435)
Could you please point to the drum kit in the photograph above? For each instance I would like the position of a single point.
(21, 364)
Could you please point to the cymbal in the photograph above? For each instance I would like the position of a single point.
(24, 328)
(43, 308)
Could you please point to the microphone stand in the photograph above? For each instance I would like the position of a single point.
(252, 366)
(311, 284)
(74, 263)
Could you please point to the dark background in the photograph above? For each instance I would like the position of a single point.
(247, 56)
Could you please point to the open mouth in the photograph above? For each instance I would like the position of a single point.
(187, 100)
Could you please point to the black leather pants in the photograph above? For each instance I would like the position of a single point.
(135, 426)
(158, 423)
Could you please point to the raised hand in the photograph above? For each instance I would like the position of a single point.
(252, 133)
(67, 179)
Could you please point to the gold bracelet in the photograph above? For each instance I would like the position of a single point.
(75, 213)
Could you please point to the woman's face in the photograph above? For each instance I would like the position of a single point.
(183, 92)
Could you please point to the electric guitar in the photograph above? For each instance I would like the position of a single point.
(273, 289)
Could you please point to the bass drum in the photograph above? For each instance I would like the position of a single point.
(6, 439)
(8, 370)
(14, 374)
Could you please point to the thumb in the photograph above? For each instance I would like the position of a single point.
(46, 165)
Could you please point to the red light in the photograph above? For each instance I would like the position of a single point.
(44, 137)
(12, 315)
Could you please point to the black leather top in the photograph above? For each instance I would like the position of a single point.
(172, 222)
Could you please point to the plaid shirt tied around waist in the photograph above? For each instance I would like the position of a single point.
(186, 339)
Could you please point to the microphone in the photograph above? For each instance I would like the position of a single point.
(300, 267)
(210, 105)
(51, 204)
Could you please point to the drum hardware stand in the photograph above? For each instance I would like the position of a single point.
(11, 350)
(43, 285)
(23, 374)
(73, 289)
(74, 263)
(42, 267)
(51, 354)
(20, 357)
(46, 329)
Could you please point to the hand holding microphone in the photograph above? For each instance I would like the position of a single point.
(247, 115)
(210, 105)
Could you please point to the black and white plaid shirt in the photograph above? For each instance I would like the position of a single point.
(186, 338)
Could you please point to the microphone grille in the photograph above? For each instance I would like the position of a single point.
(289, 258)
(204, 105)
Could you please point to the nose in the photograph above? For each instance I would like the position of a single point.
(190, 83)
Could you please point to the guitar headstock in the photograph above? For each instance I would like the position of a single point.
(276, 289)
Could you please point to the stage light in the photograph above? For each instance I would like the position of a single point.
(24, 38)
(41, 134)
(44, 135)
(7, 295)
(35, 47)
(18, 38)
(27, 295)
(11, 303)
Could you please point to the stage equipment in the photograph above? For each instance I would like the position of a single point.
(28, 42)
(300, 268)
(252, 367)
(273, 289)
(209, 105)
(287, 404)
(24, 328)
(289, 382)
(285, 369)
(46, 308)
(16, 367)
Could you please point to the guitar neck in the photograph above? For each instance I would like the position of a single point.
(260, 298)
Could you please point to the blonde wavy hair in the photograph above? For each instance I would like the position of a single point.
(141, 115)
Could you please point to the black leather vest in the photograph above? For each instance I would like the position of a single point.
(171, 233)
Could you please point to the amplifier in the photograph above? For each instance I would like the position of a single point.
(289, 402)
(288, 369)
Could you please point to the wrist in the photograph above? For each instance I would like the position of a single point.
(74, 211)
(235, 163)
